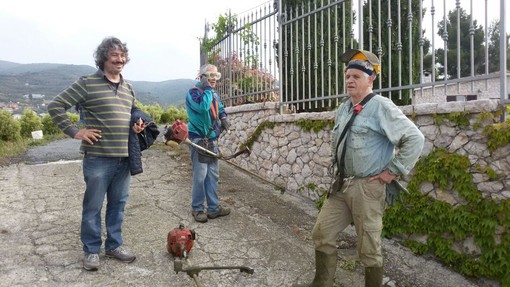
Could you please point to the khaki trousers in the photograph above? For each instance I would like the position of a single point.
(361, 202)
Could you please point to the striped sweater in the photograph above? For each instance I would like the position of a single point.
(106, 107)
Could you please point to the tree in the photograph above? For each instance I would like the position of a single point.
(465, 45)
(311, 51)
(392, 48)
(494, 35)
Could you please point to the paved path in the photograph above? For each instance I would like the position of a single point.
(40, 210)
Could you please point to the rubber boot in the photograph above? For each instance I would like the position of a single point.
(373, 276)
(325, 268)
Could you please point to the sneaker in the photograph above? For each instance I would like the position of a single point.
(91, 261)
(121, 254)
(222, 212)
(199, 216)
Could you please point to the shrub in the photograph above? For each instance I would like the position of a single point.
(49, 127)
(74, 118)
(30, 122)
(9, 127)
(166, 118)
(173, 113)
(154, 111)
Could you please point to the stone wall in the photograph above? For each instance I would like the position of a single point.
(481, 89)
(299, 160)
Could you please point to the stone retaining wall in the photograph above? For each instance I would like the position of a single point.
(299, 160)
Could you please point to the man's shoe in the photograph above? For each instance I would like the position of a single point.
(222, 212)
(199, 216)
(91, 261)
(121, 254)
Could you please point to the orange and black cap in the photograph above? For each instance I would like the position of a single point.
(354, 54)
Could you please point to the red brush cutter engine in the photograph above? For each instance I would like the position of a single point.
(177, 132)
(180, 241)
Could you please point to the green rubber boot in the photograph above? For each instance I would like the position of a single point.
(373, 276)
(325, 268)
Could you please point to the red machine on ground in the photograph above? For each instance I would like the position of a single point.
(180, 241)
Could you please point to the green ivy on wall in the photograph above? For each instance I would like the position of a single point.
(320, 192)
(491, 173)
(484, 220)
(482, 117)
(315, 125)
(460, 118)
(306, 125)
(256, 134)
(498, 135)
(444, 224)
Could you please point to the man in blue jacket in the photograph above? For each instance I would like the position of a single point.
(207, 118)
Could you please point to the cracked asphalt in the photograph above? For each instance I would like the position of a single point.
(40, 213)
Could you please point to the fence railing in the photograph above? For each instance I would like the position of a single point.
(245, 56)
(430, 51)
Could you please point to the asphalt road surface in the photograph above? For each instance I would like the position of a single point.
(40, 213)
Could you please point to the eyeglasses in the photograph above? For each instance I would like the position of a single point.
(213, 75)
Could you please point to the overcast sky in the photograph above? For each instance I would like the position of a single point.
(162, 36)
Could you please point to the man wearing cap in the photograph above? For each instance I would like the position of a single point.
(368, 165)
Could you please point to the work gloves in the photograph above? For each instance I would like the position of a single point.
(204, 82)
(225, 124)
(393, 192)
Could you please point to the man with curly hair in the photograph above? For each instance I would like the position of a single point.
(107, 102)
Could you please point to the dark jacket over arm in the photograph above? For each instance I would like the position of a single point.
(142, 141)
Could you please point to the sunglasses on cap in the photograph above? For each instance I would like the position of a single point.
(212, 75)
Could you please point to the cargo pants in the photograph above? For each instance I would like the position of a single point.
(361, 202)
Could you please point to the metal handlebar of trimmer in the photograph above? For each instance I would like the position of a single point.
(193, 271)
(196, 269)
(244, 150)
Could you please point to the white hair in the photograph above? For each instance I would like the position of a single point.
(207, 67)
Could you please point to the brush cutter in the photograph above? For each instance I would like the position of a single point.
(179, 244)
(178, 133)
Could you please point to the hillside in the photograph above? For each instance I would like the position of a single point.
(171, 92)
(50, 79)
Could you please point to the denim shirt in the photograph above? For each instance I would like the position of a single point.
(381, 137)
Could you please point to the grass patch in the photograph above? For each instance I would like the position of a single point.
(348, 265)
(14, 148)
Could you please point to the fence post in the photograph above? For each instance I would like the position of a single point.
(230, 30)
(280, 19)
(360, 27)
(502, 58)
(203, 54)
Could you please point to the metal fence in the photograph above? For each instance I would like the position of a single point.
(290, 53)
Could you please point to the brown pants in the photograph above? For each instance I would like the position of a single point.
(361, 202)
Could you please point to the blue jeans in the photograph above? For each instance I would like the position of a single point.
(108, 176)
(205, 182)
